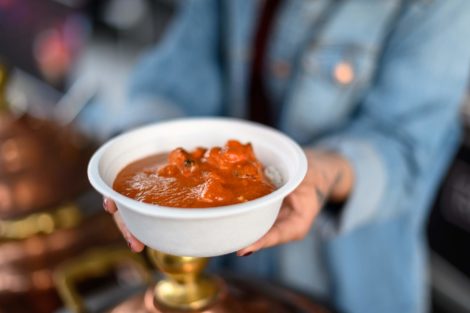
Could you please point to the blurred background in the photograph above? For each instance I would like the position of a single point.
(56, 57)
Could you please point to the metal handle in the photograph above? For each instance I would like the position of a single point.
(95, 263)
(63, 217)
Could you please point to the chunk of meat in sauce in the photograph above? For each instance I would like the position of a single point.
(201, 178)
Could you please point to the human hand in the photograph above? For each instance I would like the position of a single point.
(134, 244)
(329, 177)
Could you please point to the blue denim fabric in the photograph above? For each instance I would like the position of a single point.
(396, 121)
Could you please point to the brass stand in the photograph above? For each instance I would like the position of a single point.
(184, 290)
(185, 286)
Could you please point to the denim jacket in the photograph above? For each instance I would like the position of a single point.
(379, 81)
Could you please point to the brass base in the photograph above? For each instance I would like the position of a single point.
(237, 295)
(188, 296)
(185, 287)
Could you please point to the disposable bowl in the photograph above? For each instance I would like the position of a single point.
(200, 232)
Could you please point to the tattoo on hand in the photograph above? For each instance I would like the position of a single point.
(320, 196)
(338, 178)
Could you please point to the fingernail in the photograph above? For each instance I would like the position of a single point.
(129, 244)
(105, 204)
(247, 253)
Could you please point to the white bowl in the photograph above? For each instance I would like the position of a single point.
(201, 232)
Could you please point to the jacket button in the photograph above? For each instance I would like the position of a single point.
(281, 69)
(343, 73)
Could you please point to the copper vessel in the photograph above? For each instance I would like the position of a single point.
(185, 288)
(240, 295)
(41, 165)
(47, 211)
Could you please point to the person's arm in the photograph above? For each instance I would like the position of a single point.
(180, 76)
(412, 112)
(408, 117)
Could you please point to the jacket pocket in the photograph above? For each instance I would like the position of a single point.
(329, 83)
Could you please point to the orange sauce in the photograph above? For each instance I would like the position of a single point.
(196, 179)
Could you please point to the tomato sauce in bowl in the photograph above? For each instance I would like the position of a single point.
(201, 178)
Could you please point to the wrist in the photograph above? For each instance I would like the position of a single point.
(344, 179)
(337, 175)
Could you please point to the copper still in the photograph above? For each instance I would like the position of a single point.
(185, 289)
(48, 212)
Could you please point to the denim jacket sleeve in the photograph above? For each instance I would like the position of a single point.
(184, 64)
(410, 109)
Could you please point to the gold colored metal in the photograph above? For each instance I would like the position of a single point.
(186, 287)
(66, 216)
(237, 295)
(3, 87)
(94, 264)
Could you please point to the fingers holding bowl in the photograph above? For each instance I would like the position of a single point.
(109, 205)
(134, 244)
(293, 223)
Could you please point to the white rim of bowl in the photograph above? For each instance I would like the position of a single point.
(194, 213)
